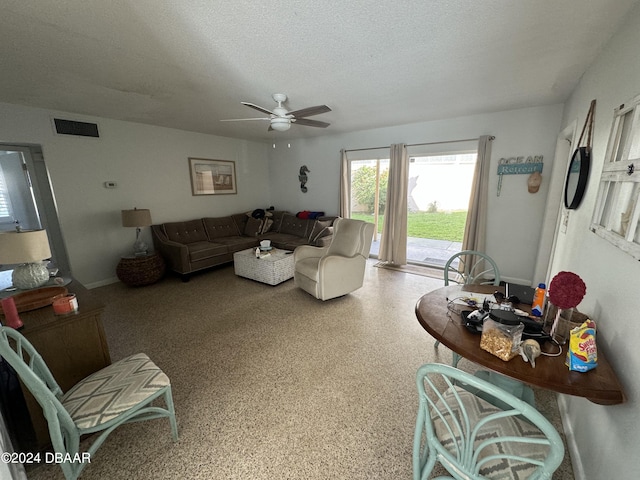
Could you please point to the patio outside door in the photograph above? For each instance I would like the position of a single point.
(438, 201)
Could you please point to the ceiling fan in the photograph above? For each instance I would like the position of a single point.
(280, 118)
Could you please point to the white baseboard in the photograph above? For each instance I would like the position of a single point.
(576, 459)
(102, 283)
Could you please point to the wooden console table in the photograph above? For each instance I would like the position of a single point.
(599, 385)
(73, 346)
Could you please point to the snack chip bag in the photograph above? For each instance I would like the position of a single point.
(582, 354)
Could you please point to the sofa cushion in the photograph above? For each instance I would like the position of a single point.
(277, 219)
(203, 250)
(321, 228)
(186, 232)
(240, 219)
(284, 241)
(253, 227)
(237, 243)
(295, 226)
(220, 227)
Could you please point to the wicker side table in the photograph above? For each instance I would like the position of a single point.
(142, 270)
(272, 270)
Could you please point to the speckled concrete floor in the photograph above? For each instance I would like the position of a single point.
(270, 383)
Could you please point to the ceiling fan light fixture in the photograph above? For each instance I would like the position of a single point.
(280, 119)
(281, 124)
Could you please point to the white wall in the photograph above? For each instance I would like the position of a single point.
(606, 436)
(151, 169)
(515, 218)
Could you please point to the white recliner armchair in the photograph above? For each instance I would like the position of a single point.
(338, 269)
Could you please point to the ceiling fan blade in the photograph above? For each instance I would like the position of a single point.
(258, 107)
(309, 111)
(243, 119)
(310, 123)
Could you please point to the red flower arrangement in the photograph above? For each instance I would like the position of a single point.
(566, 290)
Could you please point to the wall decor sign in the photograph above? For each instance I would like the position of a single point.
(519, 166)
(212, 177)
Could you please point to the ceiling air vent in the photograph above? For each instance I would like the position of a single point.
(70, 127)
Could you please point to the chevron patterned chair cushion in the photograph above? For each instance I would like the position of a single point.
(476, 408)
(113, 390)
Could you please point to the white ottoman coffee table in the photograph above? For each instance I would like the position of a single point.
(272, 270)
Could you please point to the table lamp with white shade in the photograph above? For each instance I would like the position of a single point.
(28, 249)
(138, 218)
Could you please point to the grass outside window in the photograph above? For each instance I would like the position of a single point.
(433, 225)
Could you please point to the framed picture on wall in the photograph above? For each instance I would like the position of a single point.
(212, 177)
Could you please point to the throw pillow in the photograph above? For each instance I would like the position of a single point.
(253, 227)
(277, 220)
(325, 232)
(321, 229)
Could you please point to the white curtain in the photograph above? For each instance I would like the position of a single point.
(475, 230)
(345, 185)
(393, 243)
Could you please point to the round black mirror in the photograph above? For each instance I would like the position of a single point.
(577, 176)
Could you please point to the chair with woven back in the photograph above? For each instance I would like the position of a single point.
(459, 425)
(120, 393)
(470, 267)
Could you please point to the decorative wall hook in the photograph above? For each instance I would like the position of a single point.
(303, 178)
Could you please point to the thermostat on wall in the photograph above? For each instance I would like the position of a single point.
(110, 184)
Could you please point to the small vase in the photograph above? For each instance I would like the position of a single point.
(557, 322)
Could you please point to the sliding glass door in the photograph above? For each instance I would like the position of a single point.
(438, 200)
(440, 177)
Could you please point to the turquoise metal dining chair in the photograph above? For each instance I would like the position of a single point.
(471, 437)
(469, 267)
(117, 394)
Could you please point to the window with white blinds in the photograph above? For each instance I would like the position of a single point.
(6, 212)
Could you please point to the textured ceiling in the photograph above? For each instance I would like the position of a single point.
(188, 64)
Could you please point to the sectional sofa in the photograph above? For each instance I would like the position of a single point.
(192, 245)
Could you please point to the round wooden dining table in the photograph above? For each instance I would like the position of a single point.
(600, 385)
